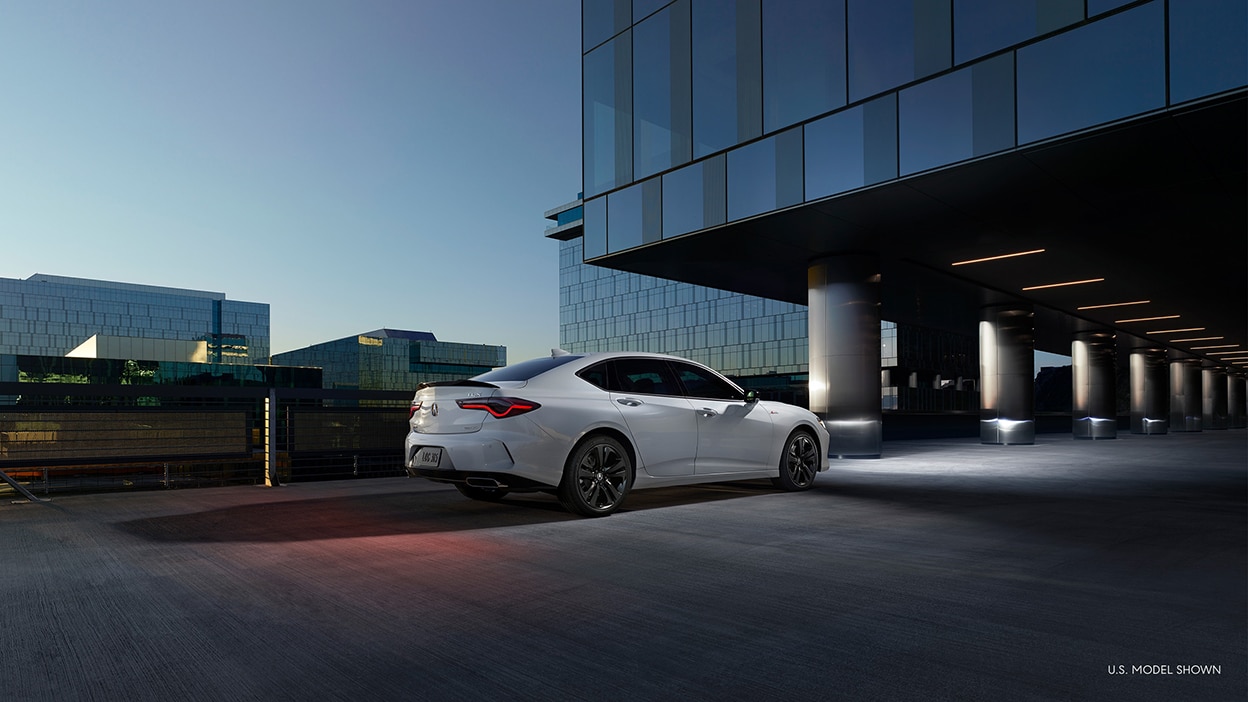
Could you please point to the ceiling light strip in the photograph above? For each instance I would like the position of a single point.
(1197, 338)
(1224, 353)
(1219, 346)
(997, 258)
(1175, 331)
(1060, 285)
(1146, 319)
(1115, 304)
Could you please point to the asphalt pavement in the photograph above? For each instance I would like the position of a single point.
(947, 570)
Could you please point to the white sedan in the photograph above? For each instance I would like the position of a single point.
(592, 427)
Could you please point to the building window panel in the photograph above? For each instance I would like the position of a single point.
(834, 154)
(1098, 73)
(752, 179)
(661, 91)
(935, 123)
(803, 60)
(595, 236)
(892, 42)
(603, 19)
(727, 74)
(992, 110)
(1208, 49)
(633, 216)
(1096, 7)
(765, 175)
(879, 136)
(607, 118)
(981, 27)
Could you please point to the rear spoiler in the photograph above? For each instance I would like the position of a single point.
(455, 383)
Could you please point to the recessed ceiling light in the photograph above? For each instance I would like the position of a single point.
(1059, 285)
(1115, 304)
(998, 258)
(1175, 331)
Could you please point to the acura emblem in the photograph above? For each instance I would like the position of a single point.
(434, 409)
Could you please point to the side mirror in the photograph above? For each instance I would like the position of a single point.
(751, 397)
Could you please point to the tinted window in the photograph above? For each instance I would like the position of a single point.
(892, 42)
(834, 154)
(700, 382)
(595, 228)
(596, 375)
(765, 175)
(607, 121)
(526, 370)
(693, 197)
(1098, 73)
(1208, 51)
(803, 60)
(644, 376)
(603, 19)
(661, 91)
(727, 74)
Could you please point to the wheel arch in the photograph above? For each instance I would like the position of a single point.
(612, 432)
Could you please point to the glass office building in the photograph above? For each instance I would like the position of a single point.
(46, 315)
(393, 359)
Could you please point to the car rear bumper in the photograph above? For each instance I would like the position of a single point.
(475, 461)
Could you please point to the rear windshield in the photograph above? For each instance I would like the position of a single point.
(525, 370)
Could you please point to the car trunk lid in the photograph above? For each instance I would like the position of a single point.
(436, 410)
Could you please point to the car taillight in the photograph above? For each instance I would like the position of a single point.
(500, 407)
(414, 409)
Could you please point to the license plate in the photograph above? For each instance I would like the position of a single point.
(429, 457)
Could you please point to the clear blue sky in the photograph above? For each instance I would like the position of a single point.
(356, 164)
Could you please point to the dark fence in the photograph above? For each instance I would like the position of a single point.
(83, 438)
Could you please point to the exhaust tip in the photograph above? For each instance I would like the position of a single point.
(488, 483)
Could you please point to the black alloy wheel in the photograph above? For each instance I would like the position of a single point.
(596, 478)
(799, 462)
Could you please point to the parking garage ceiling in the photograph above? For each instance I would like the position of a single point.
(1140, 227)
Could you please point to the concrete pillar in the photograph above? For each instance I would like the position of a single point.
(1094, 405)
(1186, 401)
(1213, 397)
(1007, 345)
(1150, 391)
(1236, 402)
(844, 333)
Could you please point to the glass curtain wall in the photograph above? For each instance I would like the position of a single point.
(712, 111)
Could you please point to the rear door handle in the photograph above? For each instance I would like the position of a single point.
(707, 412)
(629, 402)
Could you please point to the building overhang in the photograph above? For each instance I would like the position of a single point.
(1157, 207)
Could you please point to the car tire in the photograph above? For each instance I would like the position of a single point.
(596, 477)
(799, 462)
(483, 494)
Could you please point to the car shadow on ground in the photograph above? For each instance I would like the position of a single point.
(386, 514)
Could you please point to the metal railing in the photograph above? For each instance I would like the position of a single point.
(57, 438)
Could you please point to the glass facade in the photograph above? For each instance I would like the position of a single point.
(50, 316)
(763, 104)
(106, 371)
(760, 343)
(392, 359)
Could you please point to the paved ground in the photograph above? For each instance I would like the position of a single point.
(946, 570)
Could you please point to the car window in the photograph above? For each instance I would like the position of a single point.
(700, 382)
(595, 375)
(525, 370)
(644, 376)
